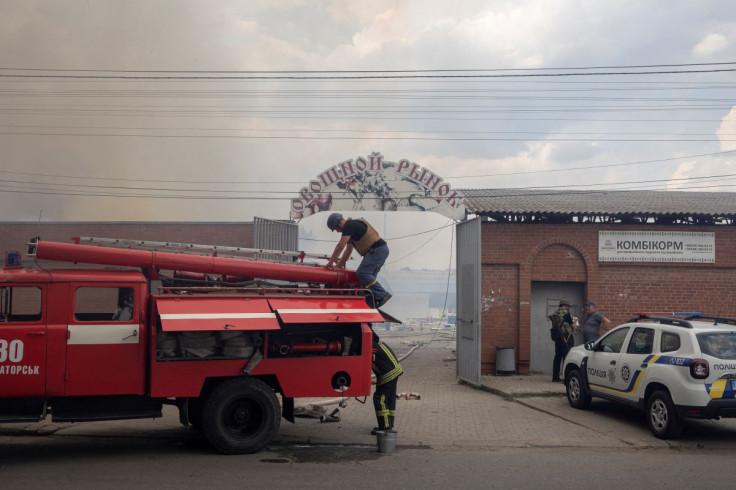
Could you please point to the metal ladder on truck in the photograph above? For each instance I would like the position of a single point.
(217, 250)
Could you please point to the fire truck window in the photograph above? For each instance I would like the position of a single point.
(20, 304)
(100, 304)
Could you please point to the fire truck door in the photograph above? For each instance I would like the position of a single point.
(104, 341)
(22, 341)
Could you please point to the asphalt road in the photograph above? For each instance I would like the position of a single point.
(184, 462)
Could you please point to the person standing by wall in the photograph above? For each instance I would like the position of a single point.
(592, 323)
(563, 326)
(358, 234)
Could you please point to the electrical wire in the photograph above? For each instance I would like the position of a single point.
(429, 70)
(447, 289)
(261, 193)
(379, 75)
(418, 248)
(389, 239)
(362, 131)
(260, 182)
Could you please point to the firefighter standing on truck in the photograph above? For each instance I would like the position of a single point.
(387, 370)
(358, 234)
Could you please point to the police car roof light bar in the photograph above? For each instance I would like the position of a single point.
(664, 320)
(670, 313)
(716, 319)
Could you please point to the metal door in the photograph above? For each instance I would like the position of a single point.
(468, 301)
(545, 300)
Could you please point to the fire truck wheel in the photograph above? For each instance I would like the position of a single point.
(241, 416)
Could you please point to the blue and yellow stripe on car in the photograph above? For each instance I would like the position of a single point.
(633, 385)
(636, 378)
(720, 389)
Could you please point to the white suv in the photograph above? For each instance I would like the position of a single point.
(671, 368)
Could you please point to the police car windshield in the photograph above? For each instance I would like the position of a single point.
(718, 344)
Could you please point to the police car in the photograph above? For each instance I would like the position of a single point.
(671, 368)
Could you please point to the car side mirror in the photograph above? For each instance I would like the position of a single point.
(590, 346)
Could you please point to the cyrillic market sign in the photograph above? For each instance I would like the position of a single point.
(656, 246)
(373, 184)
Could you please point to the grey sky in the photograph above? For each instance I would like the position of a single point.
(222, 137)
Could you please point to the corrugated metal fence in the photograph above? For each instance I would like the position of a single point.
(275, 235)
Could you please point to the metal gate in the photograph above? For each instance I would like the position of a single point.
(275, 235)
(468, 301)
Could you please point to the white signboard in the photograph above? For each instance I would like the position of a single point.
(656, 246)
(371, 183)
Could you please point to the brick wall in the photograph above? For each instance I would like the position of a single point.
(499, 310)
(513, 255)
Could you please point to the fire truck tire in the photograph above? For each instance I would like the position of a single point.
(241, 416)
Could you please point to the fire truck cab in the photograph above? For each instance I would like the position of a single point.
(95, 344)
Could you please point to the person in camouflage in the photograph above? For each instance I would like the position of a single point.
(563, 326)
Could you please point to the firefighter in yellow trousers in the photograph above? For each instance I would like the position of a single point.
(387, 370)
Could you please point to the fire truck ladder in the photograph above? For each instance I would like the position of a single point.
(296, 256)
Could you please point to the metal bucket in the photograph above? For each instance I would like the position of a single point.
(386, 441)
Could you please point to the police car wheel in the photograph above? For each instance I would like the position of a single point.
(241, 416)
(577, 395)
(661, 416)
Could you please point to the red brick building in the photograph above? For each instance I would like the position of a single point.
(540, 246)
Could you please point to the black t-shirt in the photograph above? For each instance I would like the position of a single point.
(356, 229)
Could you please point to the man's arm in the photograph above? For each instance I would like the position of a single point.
(345, 256)
(605, 324)
(343, 244)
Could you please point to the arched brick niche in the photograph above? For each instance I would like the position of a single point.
(558, 262)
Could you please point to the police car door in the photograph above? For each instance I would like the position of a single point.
(603, 361)
(631, 367)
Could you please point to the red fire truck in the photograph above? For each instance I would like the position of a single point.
(90, 344)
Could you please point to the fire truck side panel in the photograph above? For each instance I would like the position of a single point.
(317, 376)
(328, 310)
(297, 376)
(215, 313)
(105, 346)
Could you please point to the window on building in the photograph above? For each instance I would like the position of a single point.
(642, 341)
(103, 304)
(670, 342)
(20, 303)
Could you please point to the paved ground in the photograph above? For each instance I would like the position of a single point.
(509, 412)
(453, 414)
